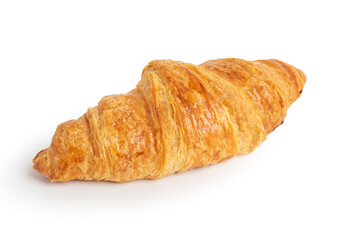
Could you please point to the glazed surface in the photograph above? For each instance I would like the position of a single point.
(180, 116)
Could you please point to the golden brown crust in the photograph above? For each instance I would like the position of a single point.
(179, 117)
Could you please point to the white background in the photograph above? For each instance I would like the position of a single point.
(57, 58)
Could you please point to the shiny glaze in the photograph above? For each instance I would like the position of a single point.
(180, 116)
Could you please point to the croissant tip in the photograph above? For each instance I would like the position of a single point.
(41, 163)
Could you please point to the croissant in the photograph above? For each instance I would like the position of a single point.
(180, 116)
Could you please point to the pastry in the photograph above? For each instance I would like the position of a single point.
(180, 116)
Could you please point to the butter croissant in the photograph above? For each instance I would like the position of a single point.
(180, 116)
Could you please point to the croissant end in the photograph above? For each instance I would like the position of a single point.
(42, 164)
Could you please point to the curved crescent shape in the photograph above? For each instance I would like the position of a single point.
(180, 116)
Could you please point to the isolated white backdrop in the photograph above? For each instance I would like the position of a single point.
(57, 58)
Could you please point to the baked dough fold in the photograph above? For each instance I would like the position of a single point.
(180, 116)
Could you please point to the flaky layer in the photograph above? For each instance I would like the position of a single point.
(179, 117)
